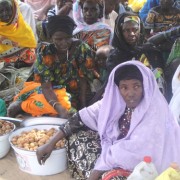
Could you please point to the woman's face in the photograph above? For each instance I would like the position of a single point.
(91, 12)
(131, 91)
(131, 32)
(62, 41)
(6, 11)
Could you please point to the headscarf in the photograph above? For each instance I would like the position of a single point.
(15, 34)
(81, 25)
(77, 10)
(118, 39)
(153, 130)
(175, 101)
(60, 23)
(126, 73)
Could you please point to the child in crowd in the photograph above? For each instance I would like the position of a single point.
(101, 57)
(101, 70)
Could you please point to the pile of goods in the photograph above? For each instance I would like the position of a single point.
(31, 140)
(5, 127)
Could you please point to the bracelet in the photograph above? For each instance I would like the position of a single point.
(55, 104)
(51, 101)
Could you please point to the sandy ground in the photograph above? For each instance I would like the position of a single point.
(9, 170)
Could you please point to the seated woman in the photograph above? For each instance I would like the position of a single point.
(128, 44)
(92, 30)
(130, 127)
(16, 36)
(65, 65)
(163, 17)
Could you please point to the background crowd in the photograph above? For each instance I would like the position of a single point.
(57, 58)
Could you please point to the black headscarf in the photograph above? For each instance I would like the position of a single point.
(60, 23)
(118, 38)
(127, 72)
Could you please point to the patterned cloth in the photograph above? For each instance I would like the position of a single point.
(116, 174)
(84, 147)
(22, 57)
(158, 21)
(95, 35)
(17, 39)
(95, 38)
(83, 151)
(34, 102)
(124, 123)
(47, 68)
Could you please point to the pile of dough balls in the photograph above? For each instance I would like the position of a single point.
(5, 127)
(31, 140)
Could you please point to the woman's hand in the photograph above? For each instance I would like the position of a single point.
(65, 10)
(50, 96)
(43, 153)
(63, 113)
(95, 175)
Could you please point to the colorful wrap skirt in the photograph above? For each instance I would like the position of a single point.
(34, 102)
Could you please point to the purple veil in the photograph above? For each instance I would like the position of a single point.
(153, 130)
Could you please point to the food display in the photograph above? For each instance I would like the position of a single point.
(5, 127)
(31, 140)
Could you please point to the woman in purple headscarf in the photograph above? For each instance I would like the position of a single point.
(129, 124)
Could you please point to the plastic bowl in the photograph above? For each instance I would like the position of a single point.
(27, 160)
(4, 143)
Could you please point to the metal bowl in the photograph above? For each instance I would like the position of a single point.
(43, 121)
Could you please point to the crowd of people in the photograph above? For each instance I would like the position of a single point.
(112, 68)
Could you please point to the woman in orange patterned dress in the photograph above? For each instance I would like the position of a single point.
(63, 72)
(91, 29)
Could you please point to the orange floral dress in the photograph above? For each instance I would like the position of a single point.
(63, 76)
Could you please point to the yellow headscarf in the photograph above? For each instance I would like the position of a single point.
(17, 33)
(136, 5)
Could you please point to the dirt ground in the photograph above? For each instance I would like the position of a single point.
(9, 170)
